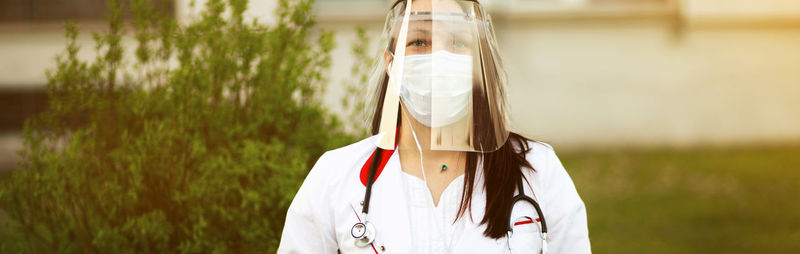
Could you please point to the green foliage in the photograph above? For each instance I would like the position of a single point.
(197, 145)
(355, 103)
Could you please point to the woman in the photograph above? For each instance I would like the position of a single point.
(442, 173)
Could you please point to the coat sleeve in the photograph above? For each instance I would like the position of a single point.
(568, 232)
(309, 224)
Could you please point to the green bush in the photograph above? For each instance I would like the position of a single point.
(196, 144)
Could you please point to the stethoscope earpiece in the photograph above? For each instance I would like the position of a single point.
(364, 233)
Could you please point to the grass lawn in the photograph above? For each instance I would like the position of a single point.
(740, 200)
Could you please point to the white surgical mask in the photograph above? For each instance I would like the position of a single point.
(437, 88)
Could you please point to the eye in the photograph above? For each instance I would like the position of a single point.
(459, 44)
(417, 43)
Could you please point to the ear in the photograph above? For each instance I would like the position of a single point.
(387, 59)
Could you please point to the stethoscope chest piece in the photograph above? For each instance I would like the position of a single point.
(364, 233)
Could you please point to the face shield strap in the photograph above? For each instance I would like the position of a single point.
(438, 16)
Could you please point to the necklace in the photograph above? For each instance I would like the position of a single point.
(444, 165)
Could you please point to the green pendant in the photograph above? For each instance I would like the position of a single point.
(444, 167)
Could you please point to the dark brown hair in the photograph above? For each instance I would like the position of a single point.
(503, 167)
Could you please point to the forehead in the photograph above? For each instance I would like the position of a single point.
(438, 5)
(438, 27)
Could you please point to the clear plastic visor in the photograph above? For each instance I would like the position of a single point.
(443, 77)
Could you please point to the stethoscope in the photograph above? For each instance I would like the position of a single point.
(525, 198)
(364, 231)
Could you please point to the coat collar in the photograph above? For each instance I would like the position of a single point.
(389, 213)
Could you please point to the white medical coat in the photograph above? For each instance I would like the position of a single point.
(328, 204)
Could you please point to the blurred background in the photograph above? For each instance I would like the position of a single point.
(679, 120)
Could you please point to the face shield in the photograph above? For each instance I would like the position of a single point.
(443, 78)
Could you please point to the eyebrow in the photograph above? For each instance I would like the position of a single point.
(421, 29)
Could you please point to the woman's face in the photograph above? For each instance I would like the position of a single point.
(444, 29)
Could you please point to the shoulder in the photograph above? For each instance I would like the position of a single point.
(341, 162)
(549, 175)
(539, 153)
(351, 151)
(311, 217)
(329, 174)
(350, 154)
(562, 206)
(542, 156)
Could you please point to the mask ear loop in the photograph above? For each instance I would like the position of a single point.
(430, 207)
(419, 149)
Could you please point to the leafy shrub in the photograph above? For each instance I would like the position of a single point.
(357, 107)
(197, 145)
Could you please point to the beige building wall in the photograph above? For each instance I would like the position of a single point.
(693, 72)
(618, 82)
(742, 8)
